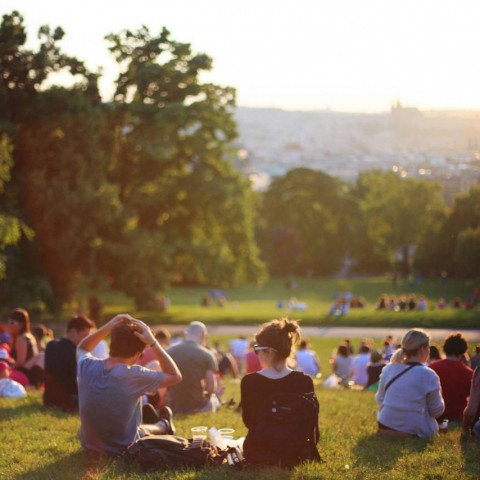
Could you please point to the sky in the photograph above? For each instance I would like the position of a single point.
(345, 55)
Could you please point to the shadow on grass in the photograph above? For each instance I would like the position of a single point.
(379, 452)
(25, 411)
(470, 447)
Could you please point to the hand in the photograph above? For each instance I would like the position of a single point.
(119, 319)
(143, 332)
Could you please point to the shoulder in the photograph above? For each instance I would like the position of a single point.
(250, 379)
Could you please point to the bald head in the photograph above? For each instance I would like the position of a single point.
(197, 331)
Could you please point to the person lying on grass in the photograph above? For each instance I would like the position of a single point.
(110, 390)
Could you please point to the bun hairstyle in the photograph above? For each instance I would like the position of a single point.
(279, 335)
(413, 340)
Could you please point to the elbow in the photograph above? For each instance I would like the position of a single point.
(177, 378)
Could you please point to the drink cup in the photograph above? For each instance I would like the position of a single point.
(199, 434)
(227, 433)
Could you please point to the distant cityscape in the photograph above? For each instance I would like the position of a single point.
(440, 145)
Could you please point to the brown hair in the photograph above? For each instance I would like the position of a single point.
(279, 335)
(21, 316)
(80, 323)
(124, 343)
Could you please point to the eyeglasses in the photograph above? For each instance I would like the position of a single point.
(258, 348)
(12, 322)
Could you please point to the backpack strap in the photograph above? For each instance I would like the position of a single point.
(399, 375)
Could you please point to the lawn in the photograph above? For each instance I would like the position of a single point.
(43, 444)
(39, 443)
(253, 305)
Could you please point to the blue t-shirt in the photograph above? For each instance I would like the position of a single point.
(110, 402)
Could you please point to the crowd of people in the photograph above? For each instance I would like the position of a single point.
(152, 376)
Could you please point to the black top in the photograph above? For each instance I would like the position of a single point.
(256, 389)
(61, 375)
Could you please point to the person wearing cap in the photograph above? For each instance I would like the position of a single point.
(198, 366)
(61, 389)
(110, 391)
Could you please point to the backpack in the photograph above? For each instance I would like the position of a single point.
(285, 433)
(163, 452)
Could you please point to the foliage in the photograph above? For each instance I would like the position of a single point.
(304, 223)
(135, 193)
(396, 213)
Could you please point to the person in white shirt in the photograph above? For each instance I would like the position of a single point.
(307, 360)
(359, 366)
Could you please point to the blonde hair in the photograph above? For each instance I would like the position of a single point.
(413, 340)
(397, 357)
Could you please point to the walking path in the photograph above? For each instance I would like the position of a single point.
(436, 334)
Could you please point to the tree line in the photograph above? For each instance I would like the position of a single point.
(140, 192)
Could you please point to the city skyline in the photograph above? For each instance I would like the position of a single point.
(312, 55)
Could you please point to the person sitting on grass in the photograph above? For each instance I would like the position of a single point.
(471, 420)
(342, 363)
(273, 346)
(409, 394)
(61, 389)
(374, 369)
(307, 360)
(110, 390)
(455, 376)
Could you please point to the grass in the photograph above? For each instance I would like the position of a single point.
(254, 305)
(39, 443)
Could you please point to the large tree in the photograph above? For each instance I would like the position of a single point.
(304, 223)
(396, 213)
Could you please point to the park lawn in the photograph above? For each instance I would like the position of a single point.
(254, 305)
(39, 443)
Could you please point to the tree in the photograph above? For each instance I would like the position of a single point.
(180, 193)
(304, 223)
(396, 213)
(467, 252)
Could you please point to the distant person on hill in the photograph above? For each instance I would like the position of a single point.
(434, 354)
(342, 364)
(374, 369)
(455, 376)
(307, 360)
(409, 394)
(110, 390)
(61, 389)
(382, 302)
(359, 366)
(239, 348)
(475, 359)
(198, 365)
(24, 345)
(422, 303)
(441, 304)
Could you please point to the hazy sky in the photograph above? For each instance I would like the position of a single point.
(349, 55)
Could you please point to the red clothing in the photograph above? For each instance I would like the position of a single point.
(455, 378)
(252, 362)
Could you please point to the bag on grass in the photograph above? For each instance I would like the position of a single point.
(286, 432)
(161, 452)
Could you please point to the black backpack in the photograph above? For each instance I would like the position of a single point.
(161, 452)
(286, 432)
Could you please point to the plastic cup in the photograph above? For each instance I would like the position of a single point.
(199, 434)
(227, 433)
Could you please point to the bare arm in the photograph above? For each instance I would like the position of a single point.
(168, 366)
(92, 340)
(210, 382)
(471, 410)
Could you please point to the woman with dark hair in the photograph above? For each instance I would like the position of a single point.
(274, 343)
(342, 364)
(24, 345)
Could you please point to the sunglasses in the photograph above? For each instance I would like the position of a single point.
(258, 348)
(12, 322)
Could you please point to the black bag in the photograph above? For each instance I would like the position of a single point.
(163, 452)
(286, 432)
